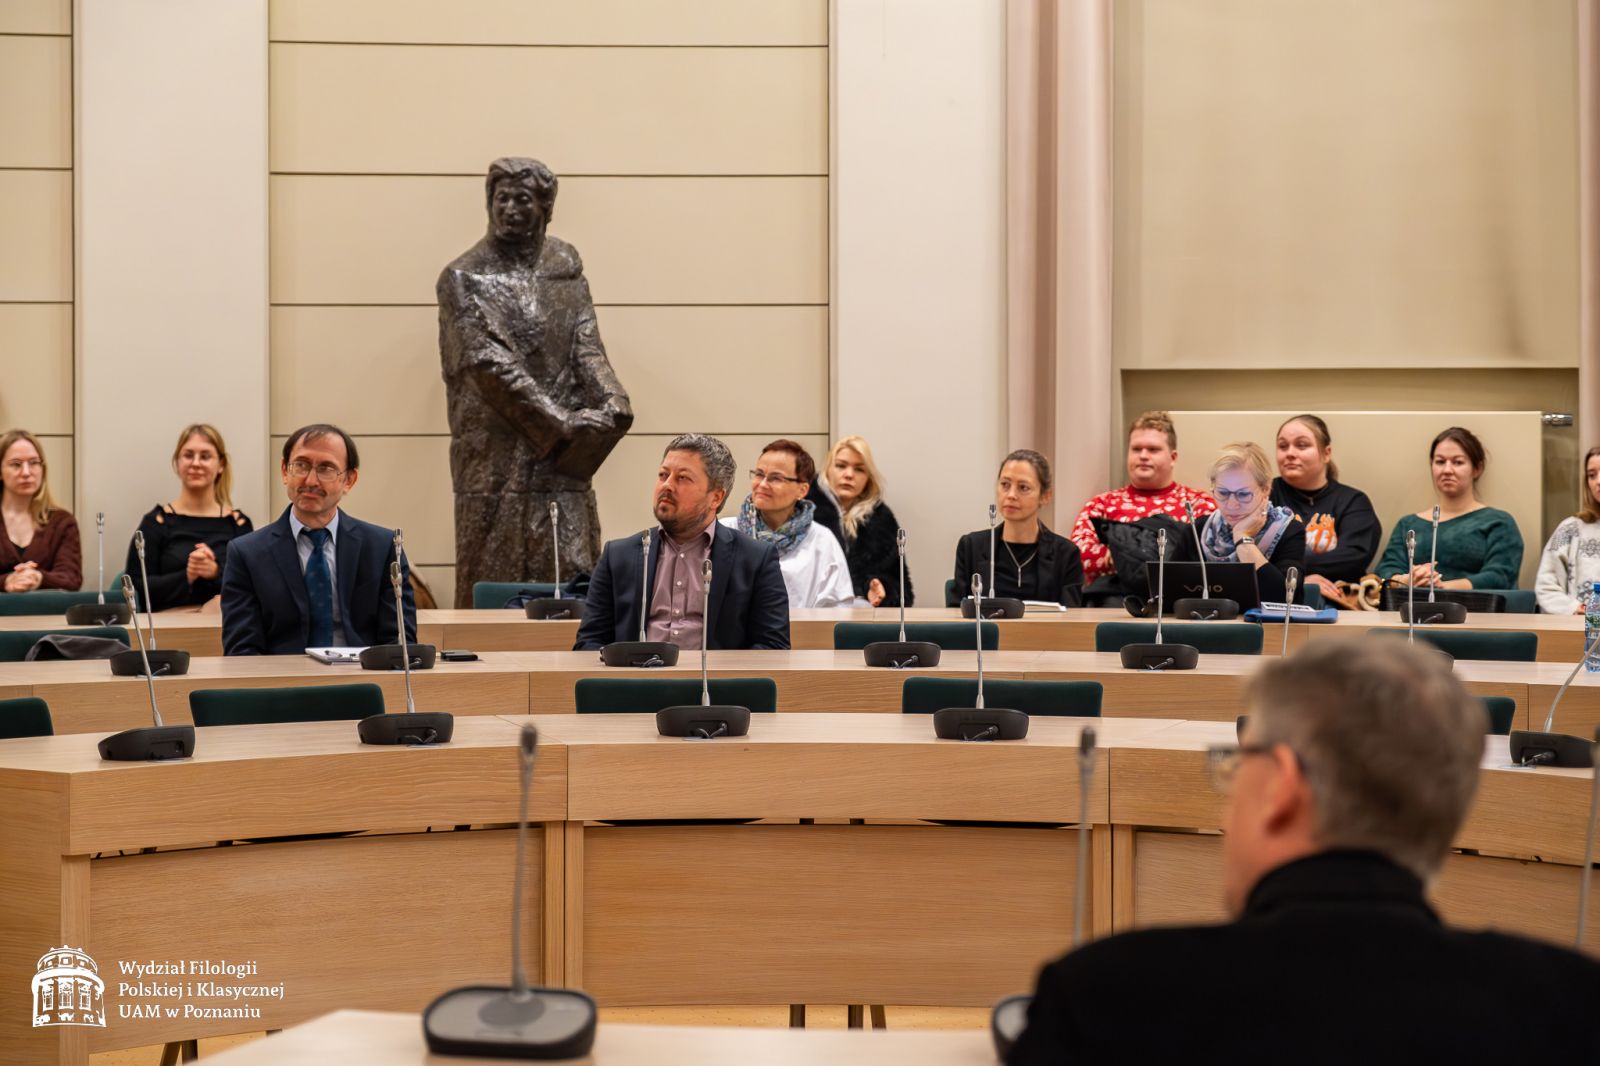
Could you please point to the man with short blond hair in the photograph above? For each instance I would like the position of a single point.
(1354, 773)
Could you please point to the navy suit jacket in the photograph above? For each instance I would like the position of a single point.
(749, 604)
(265, 610)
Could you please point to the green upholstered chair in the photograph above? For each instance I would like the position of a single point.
(14, 646)
(49, 601)
(1311, 596)
(492, 595)
(1512, 646)
(647, 695)
(1211, 638)
(1502, 712)
(952, 597)
(26, 716)
(268, 706)
(1517, 601)
(951, 636)
(1070, 699)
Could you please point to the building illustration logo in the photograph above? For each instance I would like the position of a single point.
(67, 990)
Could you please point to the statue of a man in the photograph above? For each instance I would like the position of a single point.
(534, 405)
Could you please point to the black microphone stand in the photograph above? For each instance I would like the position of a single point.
(411, 728)
(703, 720)
(979, 722)
(901, 654)
(644, 652)
(1160, 656)
(553, 608)
(149, 743)
(99, 613)
(998, 606)
(1204, 608)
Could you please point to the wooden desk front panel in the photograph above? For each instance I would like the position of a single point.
(821, 913)
(1560, 636)
(383, 922)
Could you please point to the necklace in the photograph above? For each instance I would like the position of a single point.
(1020, 565)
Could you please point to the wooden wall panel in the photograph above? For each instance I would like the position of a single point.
(35, 101)
(356, 109)
(35, 235)
(36, 16)
(590, 22)
(58, 452)
(38, 336)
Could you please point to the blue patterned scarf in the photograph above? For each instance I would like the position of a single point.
(786, 536)
(1216, 540)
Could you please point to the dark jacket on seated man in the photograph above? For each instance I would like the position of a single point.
(749, 604)
(265, 609)
(1052, 568)
(1337, 959)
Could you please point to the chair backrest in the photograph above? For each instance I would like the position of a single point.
(268, 706)
(1502, 712)
(49, 601)
(1478, 601)
(647, 695)
(1511, 646)
(952, 597)
(493, 595)
(1516, 601)
(1210, 638)
(951, 636)
(14, 645)
(1311, 596)
(25, 716)
(1071, 699)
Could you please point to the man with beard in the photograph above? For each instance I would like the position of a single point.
(749, 607)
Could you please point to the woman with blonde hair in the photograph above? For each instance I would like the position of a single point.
(186, 541)
(868, 525)
(41, 549)
(1570, 564)
(1247, 527)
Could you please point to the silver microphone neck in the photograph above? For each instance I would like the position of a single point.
(1411, 590)
(992, 547)
(555, 543)
(525, 754)
(395, 580)
(1589, 649)
(1433, 557)
(901, 548)
(1291, 582)
(1161, 580)
(144, 656)
(644, 582)
(977, 621)
(1086, 743)
(1200, 551)
(144, 588)
(705, 633)
(100, 545)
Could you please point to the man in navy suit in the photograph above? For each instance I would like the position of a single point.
(749, 606)
(316, 577)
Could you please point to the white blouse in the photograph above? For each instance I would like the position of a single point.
(1569, 566)
(815, 571)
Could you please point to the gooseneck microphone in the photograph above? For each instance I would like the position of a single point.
(1545, 748)
(642, 652)
(703, 721)
(519, 1022)
(1446, 611)
(171, 663)
(993, 511)
(553, 608)
(155, 742)
(99, 613)
(1433, 557)
(1291, 581)
(979, 722)
(1160, 656)
(901, 654)
(999, 606)
(1204, 607)
(644, 582)
(398, 656)
(1411, 586)
(411, 728)
(1588, 846)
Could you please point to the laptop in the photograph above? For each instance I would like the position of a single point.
(1229, 581)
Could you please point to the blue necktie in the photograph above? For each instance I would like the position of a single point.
(319, 589)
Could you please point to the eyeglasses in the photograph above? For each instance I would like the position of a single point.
(17, 466)
(326, 472)
(759, 476)
(1223, 762)
(1244, 496)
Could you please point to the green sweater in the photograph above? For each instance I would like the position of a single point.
(1483, 546)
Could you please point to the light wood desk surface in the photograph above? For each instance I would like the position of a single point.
(369, 1038)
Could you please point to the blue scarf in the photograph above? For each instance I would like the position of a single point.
(786, 536)
(1216, 540)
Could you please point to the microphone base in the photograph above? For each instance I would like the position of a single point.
(98, 614)
(995, 607)
(164, 662)
(640, 653)
(1564, 750)
(553, 610)
(421, 729)
(688, 720)
(971, 723)
(151, 743)
(1440, 612)
(482, 1021)
(390, 657)
(1006, 1023)
(1160, 657)
(901, 654)
(1206, 610)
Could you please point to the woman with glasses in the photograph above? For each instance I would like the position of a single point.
(1031, 562)
(869, 526)
(815, 571)
(1248, 527)
(41, 548)
(186, 541)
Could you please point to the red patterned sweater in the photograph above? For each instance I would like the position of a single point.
(1129, 504)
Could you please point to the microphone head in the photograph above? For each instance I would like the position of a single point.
(399, 543)
(555, 509)
(1435, 514)
(529, 741)
(1161, 540)
(127, 589)
(1188, 509)
(394, 573)
(705, 570)
(100, 521)
(977, 586)
(900, 540)
(993, 512)
(1086, 740)
(138, 543)
(1411, 540)
(1291, 580)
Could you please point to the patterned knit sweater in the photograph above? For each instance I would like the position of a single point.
(1129, 504)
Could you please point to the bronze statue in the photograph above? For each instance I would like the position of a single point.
(534, 405)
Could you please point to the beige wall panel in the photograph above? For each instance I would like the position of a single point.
(753, 369)
(442, 581)
(35, 101)
(643, 240)
(678, 22)
(35, 235)
(36, 16)
(359, 109)
(58, 452)
(39, 337)
(1385, 455)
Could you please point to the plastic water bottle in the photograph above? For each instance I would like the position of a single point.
(1591, 626)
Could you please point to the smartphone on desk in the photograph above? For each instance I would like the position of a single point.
(459, 656)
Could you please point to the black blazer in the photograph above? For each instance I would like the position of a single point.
(1337, 959)
(749, 604)
(1289, 551)
(874, 554)
(264, 605)
(1060, 568)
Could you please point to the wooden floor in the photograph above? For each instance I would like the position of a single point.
(817, 1017)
